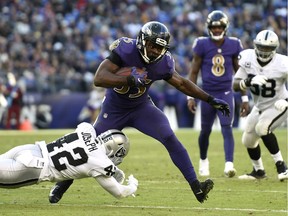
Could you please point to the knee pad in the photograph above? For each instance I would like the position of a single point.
(250, 140)
(262, 128)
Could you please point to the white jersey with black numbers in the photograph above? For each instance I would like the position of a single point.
(276, 71)
(74, 156)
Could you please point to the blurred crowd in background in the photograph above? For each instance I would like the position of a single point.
(54, 46)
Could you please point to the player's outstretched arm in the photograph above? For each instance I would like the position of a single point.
(191, 89)
(119, 175)
(118, 190)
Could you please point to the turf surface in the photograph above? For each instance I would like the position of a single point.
(162, 189)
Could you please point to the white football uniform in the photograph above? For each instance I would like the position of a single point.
(73, 156)
(76, 155)
(276, 71)
(263, 117)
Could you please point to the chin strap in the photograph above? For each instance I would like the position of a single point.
(219, 37)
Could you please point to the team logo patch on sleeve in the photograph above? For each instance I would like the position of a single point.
(114, 44)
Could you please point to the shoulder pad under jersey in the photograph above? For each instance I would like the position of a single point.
(198, 41)
(124, 45)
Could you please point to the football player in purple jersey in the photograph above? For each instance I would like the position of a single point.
(216, 57)
(127, 103)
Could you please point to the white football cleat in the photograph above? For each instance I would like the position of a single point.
(204, 167)
(229, 169)
(282, 176)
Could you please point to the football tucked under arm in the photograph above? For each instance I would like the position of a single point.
(135, 76)
(126, 71)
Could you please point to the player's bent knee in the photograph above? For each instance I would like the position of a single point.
(249, 140)
(261, 129)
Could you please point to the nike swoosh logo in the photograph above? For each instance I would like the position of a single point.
(227, 92)
(199, 192)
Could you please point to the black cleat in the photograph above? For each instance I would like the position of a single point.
(58, 190)
(201, 189)
(281, 167)
(55, 194)
(282, 170)
(259, 174)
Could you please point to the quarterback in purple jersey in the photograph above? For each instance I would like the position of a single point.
(216, 57)
(127, 103)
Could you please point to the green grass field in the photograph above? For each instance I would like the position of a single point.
(162, 189)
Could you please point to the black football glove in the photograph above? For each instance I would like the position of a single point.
(246, 82)
(220, 105)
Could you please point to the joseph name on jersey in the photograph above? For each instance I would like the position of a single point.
(276, 71)
(75, 155)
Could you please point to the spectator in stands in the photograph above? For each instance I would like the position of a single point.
(46, 40)
(14, 97)
(32, 35)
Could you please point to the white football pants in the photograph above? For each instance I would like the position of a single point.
(16, 167)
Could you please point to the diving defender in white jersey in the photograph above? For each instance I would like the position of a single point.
(265, 73)
(77, 155)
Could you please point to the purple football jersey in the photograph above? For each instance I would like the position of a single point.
(131, 107)
(217, 62)
(129, 97)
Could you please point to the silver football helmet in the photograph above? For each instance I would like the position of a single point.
(265, 45)
(116, 143)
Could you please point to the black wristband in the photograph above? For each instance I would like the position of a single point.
(210, 99)
(130, 80)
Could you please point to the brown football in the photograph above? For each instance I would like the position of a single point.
(126, 71)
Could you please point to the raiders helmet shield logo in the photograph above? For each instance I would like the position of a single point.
(120, 152)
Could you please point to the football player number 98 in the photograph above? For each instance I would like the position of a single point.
(268, 90)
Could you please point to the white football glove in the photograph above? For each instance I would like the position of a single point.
(132, 181)
(119, 175)
(259, 80)
(281, 105)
